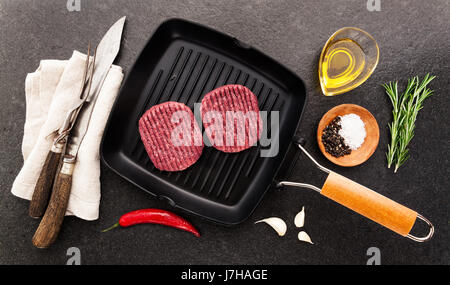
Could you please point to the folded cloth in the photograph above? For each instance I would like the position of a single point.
(50, 92)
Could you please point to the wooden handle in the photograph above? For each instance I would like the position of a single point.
(368, 203)
(44, 185)
(48, 229)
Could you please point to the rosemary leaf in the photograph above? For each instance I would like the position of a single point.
(405, 108)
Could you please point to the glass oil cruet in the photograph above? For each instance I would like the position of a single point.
(348, 58)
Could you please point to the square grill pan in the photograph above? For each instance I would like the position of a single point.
(182, 62)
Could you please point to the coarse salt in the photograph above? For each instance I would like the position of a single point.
(352, 130)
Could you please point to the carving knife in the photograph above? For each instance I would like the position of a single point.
(50, 225)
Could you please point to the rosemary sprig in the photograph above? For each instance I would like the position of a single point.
(405, 108)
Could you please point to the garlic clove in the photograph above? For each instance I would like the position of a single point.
(299, 219)
(277, 224)
(303, 236)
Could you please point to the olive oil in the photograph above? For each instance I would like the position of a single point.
(342, 63)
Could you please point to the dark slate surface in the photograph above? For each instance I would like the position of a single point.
(414, 39)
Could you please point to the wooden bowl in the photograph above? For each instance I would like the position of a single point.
(370, 143)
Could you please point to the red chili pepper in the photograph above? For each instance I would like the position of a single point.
(154, 216)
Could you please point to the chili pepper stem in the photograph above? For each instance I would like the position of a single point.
(111, 227)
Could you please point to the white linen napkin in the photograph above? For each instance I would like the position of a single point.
(50, 92)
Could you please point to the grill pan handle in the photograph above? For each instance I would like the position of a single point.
(367, 203)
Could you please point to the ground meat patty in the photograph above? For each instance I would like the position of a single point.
(171, 136)
(239, 125)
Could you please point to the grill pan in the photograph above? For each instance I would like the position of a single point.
(183, 61)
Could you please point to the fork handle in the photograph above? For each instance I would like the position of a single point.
(42, 190)
(50, 225)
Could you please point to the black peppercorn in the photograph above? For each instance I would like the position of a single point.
(334, 144)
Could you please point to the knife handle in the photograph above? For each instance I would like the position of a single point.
(42, 190)
(48, 229)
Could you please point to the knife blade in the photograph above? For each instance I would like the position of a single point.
(106, 52)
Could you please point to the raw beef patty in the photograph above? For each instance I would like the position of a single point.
(239, 125)
(171, 136)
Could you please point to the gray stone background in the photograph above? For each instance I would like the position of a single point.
(414, 39)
